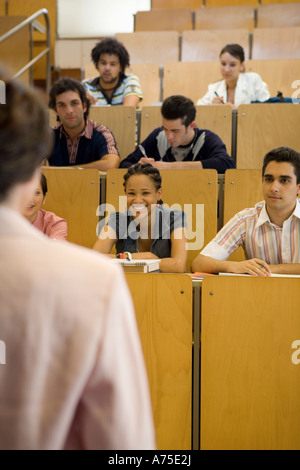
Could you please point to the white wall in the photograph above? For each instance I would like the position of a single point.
(96, 18)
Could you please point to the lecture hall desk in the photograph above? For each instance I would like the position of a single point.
(242, 391)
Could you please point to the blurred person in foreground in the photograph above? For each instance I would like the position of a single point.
(74, 376)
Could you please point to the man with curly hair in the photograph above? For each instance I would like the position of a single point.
(113, 86)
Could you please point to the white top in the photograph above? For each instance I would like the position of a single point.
(74, 376)
(249, 87)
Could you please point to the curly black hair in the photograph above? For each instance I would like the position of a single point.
(111, 46)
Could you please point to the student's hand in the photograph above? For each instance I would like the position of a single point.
(147, 160)
(162, 165)
(218, 100)
(254, 267)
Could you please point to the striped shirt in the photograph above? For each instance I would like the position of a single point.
(128, 85)
(259, 237)
(88, 133)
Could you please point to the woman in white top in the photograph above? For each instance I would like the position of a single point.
(237, 87)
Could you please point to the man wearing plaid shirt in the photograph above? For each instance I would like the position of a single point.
(79, 141)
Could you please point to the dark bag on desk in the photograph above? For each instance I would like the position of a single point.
(279, 99)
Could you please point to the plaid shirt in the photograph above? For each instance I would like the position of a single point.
(88, 132)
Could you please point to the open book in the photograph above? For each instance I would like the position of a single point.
(138, 265)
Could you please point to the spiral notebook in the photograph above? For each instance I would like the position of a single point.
(138, 266)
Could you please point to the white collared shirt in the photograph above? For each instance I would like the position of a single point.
(249, 87)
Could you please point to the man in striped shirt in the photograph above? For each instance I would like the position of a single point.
(269, 232)
(112, 86)
(79, 140)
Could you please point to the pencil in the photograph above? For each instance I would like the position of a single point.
(143, 151)
(219, 97)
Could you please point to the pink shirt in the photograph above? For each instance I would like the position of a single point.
(74, 375)
(52, 225)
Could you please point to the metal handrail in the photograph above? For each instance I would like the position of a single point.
(30, 21)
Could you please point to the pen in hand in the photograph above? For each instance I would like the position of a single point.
(143, 151)
(219, 97)
(149, 159)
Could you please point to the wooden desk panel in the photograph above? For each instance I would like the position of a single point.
(121, 121)
(249, 384)
(74, 194)
(263, 127)
(203, 44)
(279, 74)
(190, 79)
(163, 305)
(164, 19)
(276, 43)
(221, 17)
(151, 46)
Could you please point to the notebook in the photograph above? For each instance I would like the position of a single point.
(139, 265)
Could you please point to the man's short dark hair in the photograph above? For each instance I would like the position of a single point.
(68, 84)
(283, 154)
(25, 136)
(179, 107)
(111, 46)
